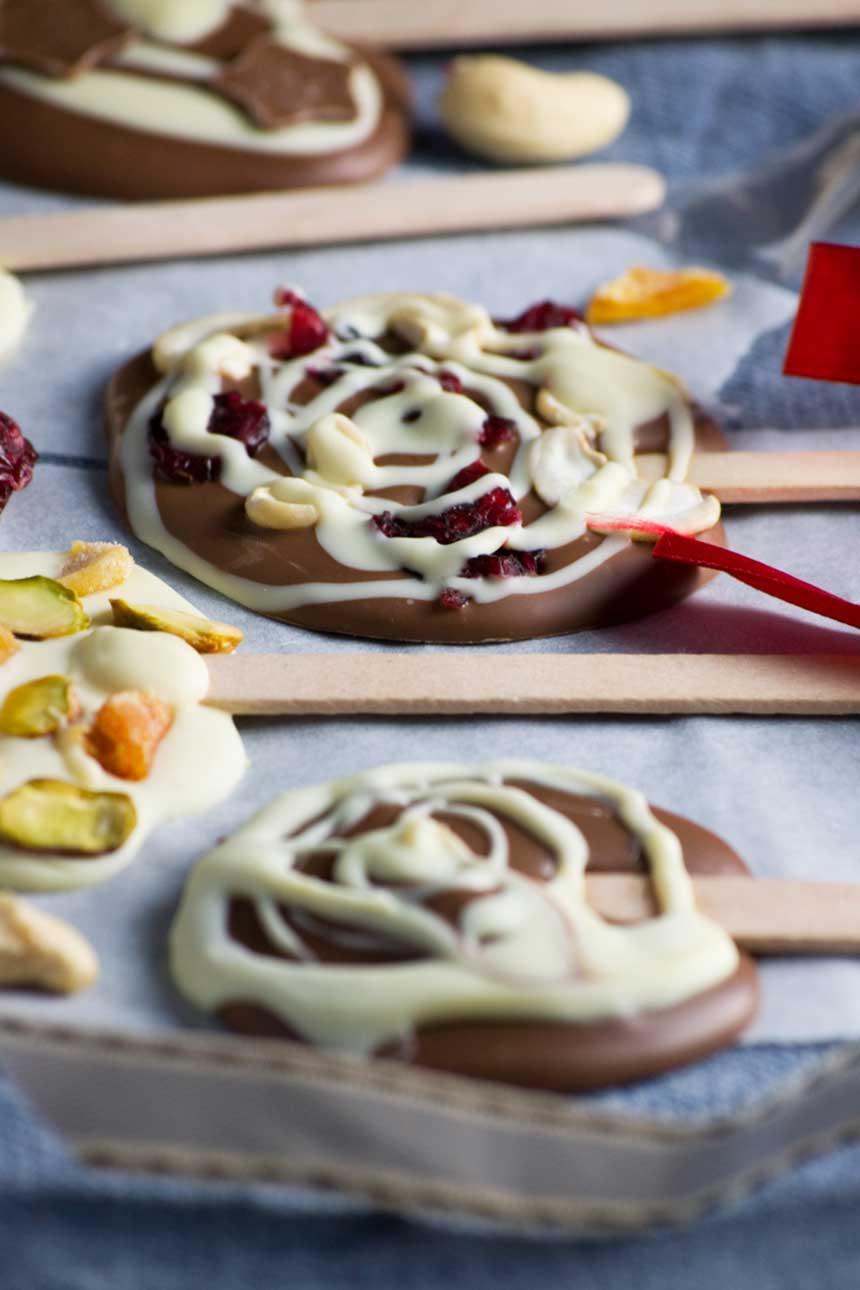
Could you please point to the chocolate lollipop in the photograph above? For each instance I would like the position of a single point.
(138, 99)
(405, 467)
(437, 914)
(103, 732)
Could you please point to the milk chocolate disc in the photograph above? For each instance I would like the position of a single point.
(125, 99)
(436, 915)
(406, 468)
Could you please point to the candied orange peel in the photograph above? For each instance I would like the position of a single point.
(650, 293)
(91, 567)
(126, 733)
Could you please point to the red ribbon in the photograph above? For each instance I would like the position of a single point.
(682, 549)
(825, 341)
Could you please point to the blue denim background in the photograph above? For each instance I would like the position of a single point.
(702, 109)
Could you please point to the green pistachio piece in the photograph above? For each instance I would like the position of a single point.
(202, 634)
(38, 707)
(40, 608)
(52, 815)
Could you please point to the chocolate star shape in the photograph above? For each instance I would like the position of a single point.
(58, 37)
(278, 86)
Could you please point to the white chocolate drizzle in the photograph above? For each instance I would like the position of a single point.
(198, 763)
(584, 461)
(520, 949)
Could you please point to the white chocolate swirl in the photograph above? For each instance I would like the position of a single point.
(593, 398)
(519, 950)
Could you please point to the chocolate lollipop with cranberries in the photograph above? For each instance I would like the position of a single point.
(404, 467)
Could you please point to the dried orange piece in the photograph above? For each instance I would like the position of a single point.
(126, 732)
(8, 644)
(648, 293)
(91, 567)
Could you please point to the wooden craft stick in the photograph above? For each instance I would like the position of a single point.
(768, 476)
(403, 684)
(763, 915)
(322, 216)
(446, 23)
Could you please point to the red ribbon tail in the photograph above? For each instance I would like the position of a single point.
(682, 549)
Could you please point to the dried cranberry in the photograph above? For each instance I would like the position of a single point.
(496, 431)
(307, 330)
(497, 507)
(543, 317)
(504, 564)
(450, 598)
(450, 382)
(468, 475)
(17, 459)
(244, 419)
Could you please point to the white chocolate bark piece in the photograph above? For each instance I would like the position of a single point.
(198, 762)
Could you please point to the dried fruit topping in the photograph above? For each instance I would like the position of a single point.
(244, 419)
(497, 507)
(8, 644)
(17, 459)
(202, 634)
(40, 951)
(126, 732)
(91, 567)
(38, 707)
(450, 382)
(51, 815)
(475, 470)
(496, 431)
(649, 293)
(305, 331)
(543, 316)
(450, 598)
(40, 608)
(504, 564)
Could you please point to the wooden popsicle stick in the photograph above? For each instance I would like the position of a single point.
(321, 216)
(768, 476)
(403, 684)
(442, 23)
(763, 915)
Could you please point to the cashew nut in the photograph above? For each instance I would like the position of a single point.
(562, 459)
(288, 503)
(509, 111)
(37, 949)
(339, 452)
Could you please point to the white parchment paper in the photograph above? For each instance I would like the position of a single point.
(783, 792)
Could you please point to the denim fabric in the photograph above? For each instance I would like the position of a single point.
(701, 109)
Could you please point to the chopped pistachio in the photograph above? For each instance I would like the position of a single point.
(52, 815)
(40, 608)
(202, 634)
(38, 708)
